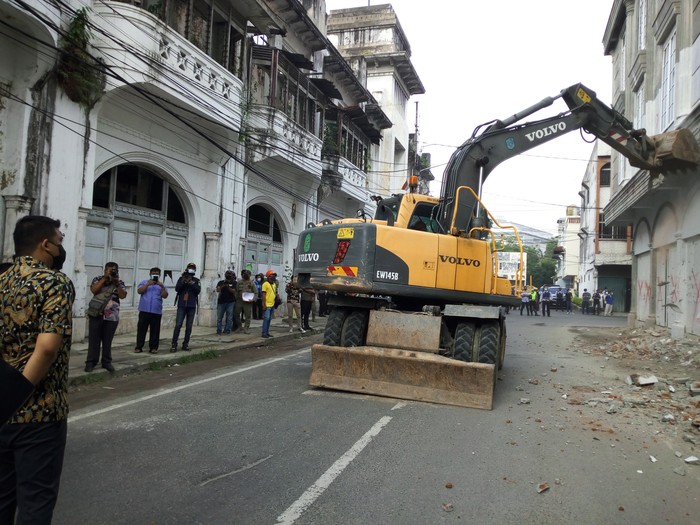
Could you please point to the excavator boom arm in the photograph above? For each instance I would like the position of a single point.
(471, 164)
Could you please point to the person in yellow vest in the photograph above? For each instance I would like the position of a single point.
(269, 292)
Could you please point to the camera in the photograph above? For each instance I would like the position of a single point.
(114, 273)
(154, 278)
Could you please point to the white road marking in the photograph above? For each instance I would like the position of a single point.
(167, 391)
(289, 516)
(246, 467)
(399, 405)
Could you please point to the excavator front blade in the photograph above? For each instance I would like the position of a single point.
(403, 374)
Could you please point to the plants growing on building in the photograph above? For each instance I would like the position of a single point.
(80, 75)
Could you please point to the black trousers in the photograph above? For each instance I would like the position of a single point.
(257, 309)
(322, 303)
(545, 306)
(148, 322)
(100, 333)
(31, 461)
(305, 311)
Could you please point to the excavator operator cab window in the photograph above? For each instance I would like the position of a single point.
(423, 220)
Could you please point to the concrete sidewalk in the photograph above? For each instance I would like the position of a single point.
(203, 339)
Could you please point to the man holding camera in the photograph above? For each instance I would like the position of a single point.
(101, 328)
(187, 288)
(152, 292)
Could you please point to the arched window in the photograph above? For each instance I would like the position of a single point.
(134, 185)
(260, 220)
(605, 175)
(263, 249)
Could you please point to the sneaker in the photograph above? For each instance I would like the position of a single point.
(185, 348)
(109, 368)
(173, 348)
(153, 351)
(291, 330)
(89, 368)
(265, 336)
(137, 350)
(301, 330)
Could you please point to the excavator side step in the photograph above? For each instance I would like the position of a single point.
(403, 374)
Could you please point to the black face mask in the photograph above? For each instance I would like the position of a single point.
(59, 259)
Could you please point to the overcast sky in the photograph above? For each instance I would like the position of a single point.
(488, 59)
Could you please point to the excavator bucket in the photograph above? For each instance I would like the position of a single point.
(403, 374)
(676, 145)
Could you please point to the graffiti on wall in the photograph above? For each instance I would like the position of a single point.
(696, 286)
(644, 291)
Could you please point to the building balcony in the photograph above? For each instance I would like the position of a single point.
(272, 136)
(157, 55)
(342, 175)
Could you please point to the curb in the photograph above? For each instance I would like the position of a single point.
(148, 361)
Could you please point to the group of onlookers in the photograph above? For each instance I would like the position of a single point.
(238, 301)
(561, 299)
(546, 298)
(598, 301)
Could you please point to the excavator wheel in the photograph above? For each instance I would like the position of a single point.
(463, 342)
(334, 326)
(354, 328)
(502, 346)
(489, 343)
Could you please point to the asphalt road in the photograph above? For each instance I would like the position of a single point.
(226, 441)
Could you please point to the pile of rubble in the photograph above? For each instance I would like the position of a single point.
(662, 389)
(651, 345)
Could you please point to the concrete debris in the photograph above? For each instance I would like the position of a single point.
(653, 459)
(448, 507)
(692, 460)
(636, 379)
(691, 439)
(542, 487)
(553, 369)
(612, 409)
(695, 388)
(679, 470)
(671, 389)
(534, 381)
(668, 418)
(678, 454)
(524, 401)
(635, 401)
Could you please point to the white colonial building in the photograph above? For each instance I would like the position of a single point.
(655, 47)
(164, 132)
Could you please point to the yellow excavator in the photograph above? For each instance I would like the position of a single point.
(417, 304)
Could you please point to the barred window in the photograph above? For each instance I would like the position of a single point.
(611, 232)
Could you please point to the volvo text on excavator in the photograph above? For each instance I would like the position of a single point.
(417, 303)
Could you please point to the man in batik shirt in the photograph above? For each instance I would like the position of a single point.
(36, 301)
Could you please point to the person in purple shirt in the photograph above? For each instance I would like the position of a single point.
(152, 292)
